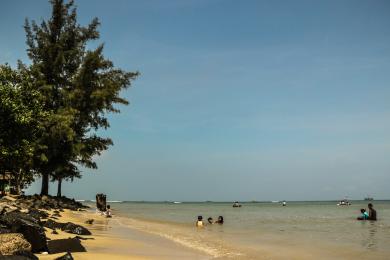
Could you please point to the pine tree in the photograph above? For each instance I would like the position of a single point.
(80, 87)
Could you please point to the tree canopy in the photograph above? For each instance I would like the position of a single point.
(73, 86)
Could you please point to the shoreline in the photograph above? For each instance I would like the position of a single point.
(111, 239)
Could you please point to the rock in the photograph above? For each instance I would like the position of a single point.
(10, 198)
(75, 229)
(89, 221)
(54, 232)
(38, 214)
(4, 230)
(26, 255)
(67, 256)
(56, 215)
(53, 224)
(30, 227)
(14, 242)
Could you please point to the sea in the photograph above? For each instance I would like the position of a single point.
(265, 230)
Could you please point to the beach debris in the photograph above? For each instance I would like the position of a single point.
(67, 256)
(27, 225)
(12, 243)
(89, 221)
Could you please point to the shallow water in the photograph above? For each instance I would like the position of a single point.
(301, 230)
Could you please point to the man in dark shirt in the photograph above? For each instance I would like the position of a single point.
(371, 212)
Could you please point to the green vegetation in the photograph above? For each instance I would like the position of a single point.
(51, 110)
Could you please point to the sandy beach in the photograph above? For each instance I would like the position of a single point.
(110, 240)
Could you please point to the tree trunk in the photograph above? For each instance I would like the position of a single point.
(45, 184)
(18, 177)
(59, 187)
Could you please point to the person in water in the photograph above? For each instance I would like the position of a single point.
(371, 212)
(364, 215)
(210, 220)
(220, 220)
(108, 212)
(199, 222)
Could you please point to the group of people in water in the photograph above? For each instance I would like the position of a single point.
(370, 215)
(210, 221)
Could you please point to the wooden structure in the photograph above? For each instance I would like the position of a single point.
(101, 203)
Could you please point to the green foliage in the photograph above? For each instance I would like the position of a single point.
(21, 113)
(72, 89)
(80, 85)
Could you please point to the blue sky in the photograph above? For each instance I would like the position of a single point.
(251, 100)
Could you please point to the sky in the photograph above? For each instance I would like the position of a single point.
(237, 100)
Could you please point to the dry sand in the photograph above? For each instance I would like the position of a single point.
(110, 240)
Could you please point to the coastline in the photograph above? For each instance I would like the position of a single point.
(110, 240)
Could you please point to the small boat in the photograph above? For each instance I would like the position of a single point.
(236, 205)
(176, 202)
(344, 202)
(369, 198)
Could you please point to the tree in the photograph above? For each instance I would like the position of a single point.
(20, 115)
(80, 87)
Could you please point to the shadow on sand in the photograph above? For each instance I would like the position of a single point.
(65, 245)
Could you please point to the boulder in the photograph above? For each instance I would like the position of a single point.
(67, 256)
(53, 224)
(38, 214)
(75, 229)
(30, 227)
(12, 243)
(25, 255)
(4, 230)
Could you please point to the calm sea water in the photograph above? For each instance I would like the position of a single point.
(301, 230)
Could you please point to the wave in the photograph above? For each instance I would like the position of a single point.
(187, 236)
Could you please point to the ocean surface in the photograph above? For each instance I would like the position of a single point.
(266, 230)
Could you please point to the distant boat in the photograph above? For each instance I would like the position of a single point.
(236, 205)
(344, 202)
(114, 201)
(369, 198)
(176, 202)
(275, 201)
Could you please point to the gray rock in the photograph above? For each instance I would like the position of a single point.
(30, 227)
(75, 229)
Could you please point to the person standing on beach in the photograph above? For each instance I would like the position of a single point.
(371, 212)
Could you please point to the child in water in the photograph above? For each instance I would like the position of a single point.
(199, 222)
(364, 215)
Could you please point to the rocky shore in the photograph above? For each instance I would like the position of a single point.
(23, 220)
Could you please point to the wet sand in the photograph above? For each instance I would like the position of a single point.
(111, 240)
